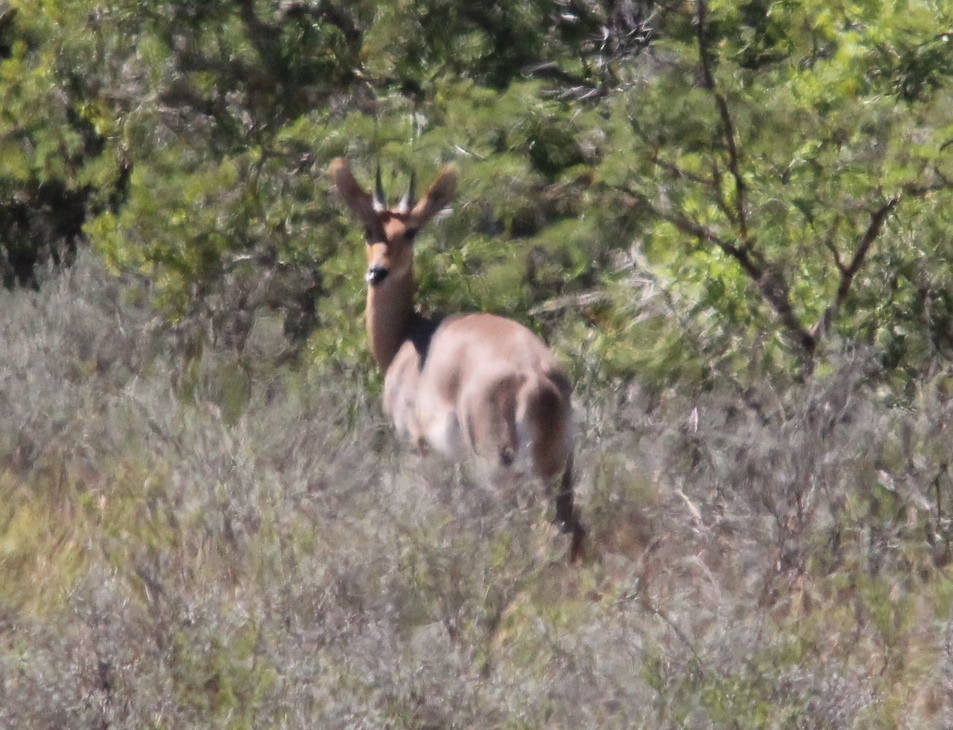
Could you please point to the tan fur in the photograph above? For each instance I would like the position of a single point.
(474, 385)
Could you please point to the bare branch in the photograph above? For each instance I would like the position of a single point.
(573, 301)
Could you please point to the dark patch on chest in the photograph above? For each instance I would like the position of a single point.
(422, 331)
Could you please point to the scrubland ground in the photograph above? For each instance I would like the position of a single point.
(229, 545)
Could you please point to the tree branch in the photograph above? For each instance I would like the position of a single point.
(720, 193)
(849, 272)
(727, 124)
(769, 279)
(829, 245)
(680, 173)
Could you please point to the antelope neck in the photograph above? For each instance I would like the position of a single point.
(389, 315)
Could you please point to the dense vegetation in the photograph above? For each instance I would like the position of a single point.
(733, 222)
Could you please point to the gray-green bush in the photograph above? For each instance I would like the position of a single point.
(272, 558)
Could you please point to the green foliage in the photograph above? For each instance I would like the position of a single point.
(787, 171)
(700, 190)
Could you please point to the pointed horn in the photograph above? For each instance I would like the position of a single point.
(380, 200)
(410, 199)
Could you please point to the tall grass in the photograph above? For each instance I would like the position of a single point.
(254, 550)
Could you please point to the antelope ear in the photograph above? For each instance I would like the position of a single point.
(438, 195)
(360, 203)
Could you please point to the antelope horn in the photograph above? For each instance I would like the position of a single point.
(380, 200)
(410, 199)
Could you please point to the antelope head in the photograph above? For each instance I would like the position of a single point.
(390, 232)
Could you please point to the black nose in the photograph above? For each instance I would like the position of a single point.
(375, 275)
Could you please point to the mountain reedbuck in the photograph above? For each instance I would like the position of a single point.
(470, 384)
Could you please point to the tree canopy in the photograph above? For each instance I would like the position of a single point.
(671, 189)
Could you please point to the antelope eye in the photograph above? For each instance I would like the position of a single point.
(410, 234)
(368, 232)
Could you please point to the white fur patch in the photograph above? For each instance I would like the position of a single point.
(444, 435)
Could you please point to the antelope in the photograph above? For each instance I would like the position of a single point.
(470, 386)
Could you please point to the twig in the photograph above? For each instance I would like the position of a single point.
(573, 301)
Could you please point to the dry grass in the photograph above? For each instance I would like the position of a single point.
(261, 553)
